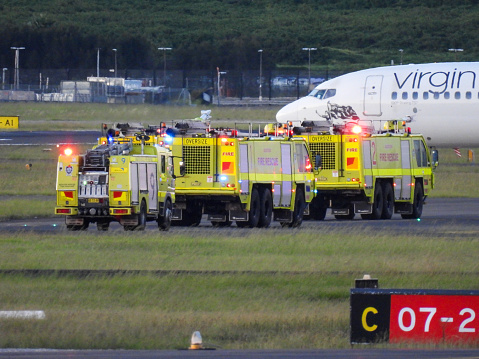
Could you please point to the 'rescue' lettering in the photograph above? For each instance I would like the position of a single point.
(268, 161)
(196, 141)
(389, 157)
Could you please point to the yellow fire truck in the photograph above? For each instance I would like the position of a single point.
(247, 180)
(126, 178)
(374, 175)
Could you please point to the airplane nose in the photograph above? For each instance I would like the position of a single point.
(288, 113)
(304, 109)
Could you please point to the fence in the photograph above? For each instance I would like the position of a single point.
(158, 86)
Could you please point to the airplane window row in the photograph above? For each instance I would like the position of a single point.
(323, 94)
(435, 95)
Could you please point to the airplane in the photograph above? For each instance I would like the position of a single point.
(438, 100)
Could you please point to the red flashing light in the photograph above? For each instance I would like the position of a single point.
(308, 164)
(68, 151)
(357, 129)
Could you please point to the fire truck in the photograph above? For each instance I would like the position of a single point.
(127, 178)
(249, 180)
(367, 173)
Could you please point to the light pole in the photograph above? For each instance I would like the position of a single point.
(401, 51)
(115, 61)
(219, 76)
(16, 78)
(309, 49)
(455, 52)
(3, 78)
(260, 74)
(98, 63)
(164, 49)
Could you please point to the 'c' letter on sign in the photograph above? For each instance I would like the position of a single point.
(371, 328)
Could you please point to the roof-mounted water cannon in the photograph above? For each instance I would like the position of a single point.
(398, 126)
(353, 128)
(142, 138)
(272, 129)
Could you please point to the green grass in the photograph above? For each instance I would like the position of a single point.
(80, 116)
(243, 251)
(250, 309)
(308, 309)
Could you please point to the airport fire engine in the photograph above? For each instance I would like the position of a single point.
(127, 178)
(250, 180)
(371, 174)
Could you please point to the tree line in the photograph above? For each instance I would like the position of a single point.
(59, 34)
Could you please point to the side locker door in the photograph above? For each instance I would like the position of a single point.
(152, 175)
(372, 95)
(287, 184)
(134, 183)
(367, 161)
(405, 186)
(244, 171)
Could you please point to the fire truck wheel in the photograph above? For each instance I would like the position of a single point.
(142, 217)
(254, 211)
(266, 208)
(417, 204)
(164, 221)
(318, 208)
(388, 201)
(141, 220)
(299, 205)
(377, 205)
(102, 225)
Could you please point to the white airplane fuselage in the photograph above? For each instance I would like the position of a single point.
(441, 99)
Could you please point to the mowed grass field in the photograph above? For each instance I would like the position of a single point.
(261, 288)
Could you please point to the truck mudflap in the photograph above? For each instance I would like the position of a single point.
(74, 221)
(239, 215)
(283, 215)
(340, 211)
(128, 220)
(403, 207)
(217, 217)
(363, 208)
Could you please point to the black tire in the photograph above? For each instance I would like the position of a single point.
(102, 225)
(164, 221)
(299, 206)
(141, 220)
(388, 201)
(377, 205)
(417, 204)
(142, 217)
(266, 208)
(254, 211)
(348, 216)
(191, 216)
(318, 208)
